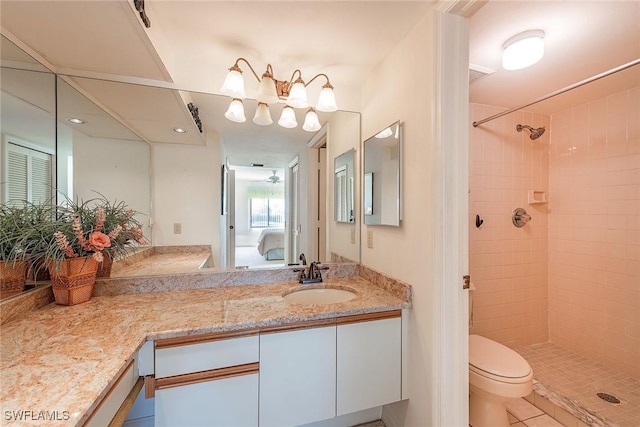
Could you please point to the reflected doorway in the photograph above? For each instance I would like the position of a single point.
(259, 220)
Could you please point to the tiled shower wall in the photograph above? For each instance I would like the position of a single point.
(508, 265)
(594, 231)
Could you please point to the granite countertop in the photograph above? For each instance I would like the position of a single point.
(63, 358)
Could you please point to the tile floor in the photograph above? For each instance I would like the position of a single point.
(522, 413)
(576, 380)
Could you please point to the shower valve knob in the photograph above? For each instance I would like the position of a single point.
(520, 217)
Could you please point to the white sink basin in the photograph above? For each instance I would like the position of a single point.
(317, 296)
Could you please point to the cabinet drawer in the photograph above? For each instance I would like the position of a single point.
(205, 352)
(230, 402)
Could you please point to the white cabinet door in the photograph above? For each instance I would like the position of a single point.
(297, 376)
(229, 402)
(369, 362)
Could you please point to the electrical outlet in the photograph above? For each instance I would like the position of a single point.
(353, 235)
(177, 228)
(370, 239)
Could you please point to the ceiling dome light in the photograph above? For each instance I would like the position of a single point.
(76, 121)
(179, 130)
(288, 118)
(523, 50)
(263, 115)
(384, 133)
(235, 112)
(311, 122)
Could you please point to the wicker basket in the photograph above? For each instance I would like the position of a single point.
(12, 277)
(72, 282)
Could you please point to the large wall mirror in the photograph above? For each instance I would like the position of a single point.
(128, 149)
(381, 177)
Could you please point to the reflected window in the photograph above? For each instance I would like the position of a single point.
(266, 213)
(29, 174)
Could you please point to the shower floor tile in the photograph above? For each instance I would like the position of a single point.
(574, 381)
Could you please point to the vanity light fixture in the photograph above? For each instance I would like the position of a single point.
(523, 50)
(76, 121)
(292, 92)
(311, 122)
(235, 112)
(288, 118)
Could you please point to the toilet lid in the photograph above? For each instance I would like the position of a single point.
(496, 359)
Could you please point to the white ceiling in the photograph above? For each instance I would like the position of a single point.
(194, 42)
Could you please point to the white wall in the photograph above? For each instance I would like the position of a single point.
(186, 190)
(343, 134)
(405, 252)
(405, 87)
(117, 169)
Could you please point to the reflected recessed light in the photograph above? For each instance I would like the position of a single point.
(76, 121)
(179, 130)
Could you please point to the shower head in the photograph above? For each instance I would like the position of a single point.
(535, 133)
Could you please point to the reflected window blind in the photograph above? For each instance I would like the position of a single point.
(29, 174)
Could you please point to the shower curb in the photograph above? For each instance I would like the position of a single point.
(571, 406)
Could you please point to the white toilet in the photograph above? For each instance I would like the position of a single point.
(497, 374)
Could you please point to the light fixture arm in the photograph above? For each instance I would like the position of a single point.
(291, 81)
(328, 84)
(236, 68)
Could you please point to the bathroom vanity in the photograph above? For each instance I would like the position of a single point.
(289, 374)
(227, 353)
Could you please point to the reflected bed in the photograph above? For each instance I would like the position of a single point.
(271, 243)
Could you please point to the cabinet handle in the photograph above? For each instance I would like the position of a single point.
(149, 387)
(210, 375)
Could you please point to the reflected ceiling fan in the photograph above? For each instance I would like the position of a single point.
(273, 179)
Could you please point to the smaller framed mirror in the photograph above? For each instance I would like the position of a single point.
(344, 187)
(381, 177)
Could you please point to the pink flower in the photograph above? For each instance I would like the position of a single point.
(63, 244)
(98, 256)
(99, 240)
(100, 219)
(114, 233)
(77, 228)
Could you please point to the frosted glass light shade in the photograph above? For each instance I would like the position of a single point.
(288, 118)
(523, 50)
(235, 112)
(327, 100)
(233, 85)
(267, 90)
(263, 115)
(298, 95)
(311, 122)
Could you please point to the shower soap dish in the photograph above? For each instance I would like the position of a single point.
(537, 197)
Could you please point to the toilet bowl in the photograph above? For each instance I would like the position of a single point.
(497, 374)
